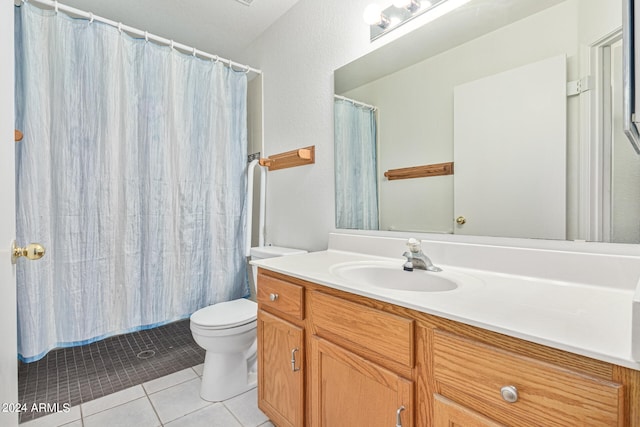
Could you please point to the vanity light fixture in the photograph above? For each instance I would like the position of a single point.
(411, 5)
(401, 11)
(374, 16)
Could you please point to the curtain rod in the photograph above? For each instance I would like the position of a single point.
(57, 6)
(353, 101)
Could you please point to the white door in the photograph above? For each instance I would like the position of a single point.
(510, 152)
(8, 335)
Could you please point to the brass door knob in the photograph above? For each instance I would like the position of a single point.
(461, 220)
(31, 251)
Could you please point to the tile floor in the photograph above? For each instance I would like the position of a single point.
(77, 375)
(172, 401)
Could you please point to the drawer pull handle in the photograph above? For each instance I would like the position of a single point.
(509, 393)
(293, 360)
(273, 297)
(399, 416)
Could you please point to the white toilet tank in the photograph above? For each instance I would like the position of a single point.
(263, 252)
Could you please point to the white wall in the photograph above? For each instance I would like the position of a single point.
(254, 142)
(298, 55)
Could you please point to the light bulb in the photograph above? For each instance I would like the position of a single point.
(372, 14)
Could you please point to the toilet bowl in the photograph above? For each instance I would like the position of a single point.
(228, 333)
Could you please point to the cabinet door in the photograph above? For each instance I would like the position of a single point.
(447, 413)
(348, 390)
(280, 370)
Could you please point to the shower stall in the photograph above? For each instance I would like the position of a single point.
(132, 175)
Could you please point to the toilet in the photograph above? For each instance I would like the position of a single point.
(228, 333)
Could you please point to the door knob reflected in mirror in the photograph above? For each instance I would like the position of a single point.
(31, 251)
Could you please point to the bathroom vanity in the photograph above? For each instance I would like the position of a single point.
(335, 350)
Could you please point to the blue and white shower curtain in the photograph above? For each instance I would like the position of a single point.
(131, 173)
(355, 166)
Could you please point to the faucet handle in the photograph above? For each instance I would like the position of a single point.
(414, 245)
(408, 265)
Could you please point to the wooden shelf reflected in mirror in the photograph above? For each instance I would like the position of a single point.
(436, 169)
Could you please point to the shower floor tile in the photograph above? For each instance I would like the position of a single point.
(75, 375)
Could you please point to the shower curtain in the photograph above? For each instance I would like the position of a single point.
(131, 174)
(355, 166)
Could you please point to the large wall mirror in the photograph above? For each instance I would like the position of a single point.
(501, 118)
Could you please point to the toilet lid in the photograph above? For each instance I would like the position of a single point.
(226, 314)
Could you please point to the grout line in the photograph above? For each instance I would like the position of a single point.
(152, 405)
(231, 412)
(115, 406)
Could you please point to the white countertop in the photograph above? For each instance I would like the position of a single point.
(593, 321)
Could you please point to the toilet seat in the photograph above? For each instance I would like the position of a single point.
(225, 315)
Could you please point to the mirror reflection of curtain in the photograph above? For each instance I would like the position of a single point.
(355, 166)
(132, 175)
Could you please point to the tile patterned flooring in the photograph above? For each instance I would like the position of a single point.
(78, 375)
(172, 401)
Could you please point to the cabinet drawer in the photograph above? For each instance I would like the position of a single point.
(447, 413)
(474, 373)
(386, 334)
(280, 295)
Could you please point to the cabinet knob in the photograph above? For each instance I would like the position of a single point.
(509, 393)
(273, 297)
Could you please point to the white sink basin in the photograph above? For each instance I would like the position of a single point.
(389, 275)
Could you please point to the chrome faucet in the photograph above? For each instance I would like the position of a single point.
(416, 259)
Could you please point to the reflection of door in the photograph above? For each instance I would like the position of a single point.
(8, 349)
(510, 152)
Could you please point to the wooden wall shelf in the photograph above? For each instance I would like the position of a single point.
(436, 169)
(299, 157)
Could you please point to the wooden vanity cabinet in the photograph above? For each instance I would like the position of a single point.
(447, 413)
(363, 362)
(520, 390)
(348, 390)
(281, 351)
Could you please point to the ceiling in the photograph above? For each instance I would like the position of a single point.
(219, 27)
